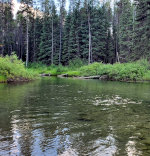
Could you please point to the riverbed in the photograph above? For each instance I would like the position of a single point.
(72, 117)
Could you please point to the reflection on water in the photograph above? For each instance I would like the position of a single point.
(67, 117)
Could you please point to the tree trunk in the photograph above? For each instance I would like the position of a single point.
(34, 42)
(60, 39)
(90, 46)
(27, 46)
(52, 54)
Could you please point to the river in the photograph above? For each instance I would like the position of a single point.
(72, 117)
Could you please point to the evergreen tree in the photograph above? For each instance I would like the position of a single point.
(38, 30)
(45, 45)
(125, 30)
(67, 27)
(142, 29)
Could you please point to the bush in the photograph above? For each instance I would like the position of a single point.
(38, 67)
(13, 69)
(145, 63)
(125, 71)
(73, 73)
(91, 69)
(121, 72)
(3, 78)
(146, 76)
(76, 63)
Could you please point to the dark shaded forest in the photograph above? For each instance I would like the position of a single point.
(89, 30)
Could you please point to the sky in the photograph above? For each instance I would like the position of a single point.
(16, 5)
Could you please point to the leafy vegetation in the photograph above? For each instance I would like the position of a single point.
(13, 69)
(134, 71)
(123, 72)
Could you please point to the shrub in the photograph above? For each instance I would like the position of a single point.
(13, 68)
(73, 73)
(38, 67)
(146, 76)
(76, 63)
(125, 71)
(3, 78)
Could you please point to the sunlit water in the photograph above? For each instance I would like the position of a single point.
(70, 117)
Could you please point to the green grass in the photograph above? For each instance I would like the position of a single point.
(13, 69)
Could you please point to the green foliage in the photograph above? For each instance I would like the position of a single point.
(2, 78)
(125, 29)
(11, 68)
(38, 67)
(145, 63)
(76, 63)
(91, 69)
(146, 76)
(73, 73)
(122, 72)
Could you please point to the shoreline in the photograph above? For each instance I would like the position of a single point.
(101, 79)
(96, 77)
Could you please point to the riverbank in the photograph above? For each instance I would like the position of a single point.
(13, 70)
(134, 71)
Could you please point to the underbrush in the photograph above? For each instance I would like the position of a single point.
(123, 72)
(13, 69)
(134, 71)
(54, 70)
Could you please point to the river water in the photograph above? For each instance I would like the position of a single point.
(71, 117)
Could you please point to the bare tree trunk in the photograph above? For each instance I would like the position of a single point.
(60, 39)
(91, 51)
(2, 42)
(27, 39)
(118, 57)
(52, 54)
(90, 45)
(78, 46)
(34, 41)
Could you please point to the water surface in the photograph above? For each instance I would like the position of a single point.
(70, 117)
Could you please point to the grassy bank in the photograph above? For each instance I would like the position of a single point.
(12, 70)
(135, 71)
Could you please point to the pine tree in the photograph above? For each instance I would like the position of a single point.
(61, 18)
(38, 31)
(99, 34)
(66, 38)
(45, 45)
(142, 29)
(125, 30)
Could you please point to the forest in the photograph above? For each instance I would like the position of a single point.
(48, 33)
(75, 77)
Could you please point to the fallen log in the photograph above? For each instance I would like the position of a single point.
(91, 77)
